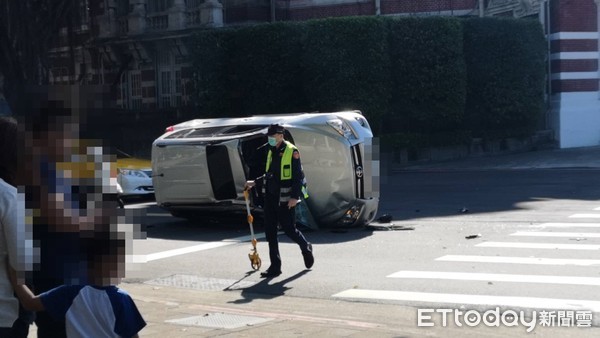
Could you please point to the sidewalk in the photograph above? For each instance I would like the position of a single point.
(178, 312)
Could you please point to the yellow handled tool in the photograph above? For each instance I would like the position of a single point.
(253, 255)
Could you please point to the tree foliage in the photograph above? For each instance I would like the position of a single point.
(28, 30)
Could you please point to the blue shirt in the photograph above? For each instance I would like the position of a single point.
(90, 311)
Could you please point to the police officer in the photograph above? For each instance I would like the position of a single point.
(284, 183)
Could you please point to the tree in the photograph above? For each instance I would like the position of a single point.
(28, 30)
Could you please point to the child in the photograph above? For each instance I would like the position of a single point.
(98, 309)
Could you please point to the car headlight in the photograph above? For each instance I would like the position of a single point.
(133, 172)
(342, 128)
(350, 216)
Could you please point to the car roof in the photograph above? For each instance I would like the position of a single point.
(281, 119)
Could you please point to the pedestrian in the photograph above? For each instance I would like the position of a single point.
(98, 308)
(14, 321)
(67, 194)
(283, 184)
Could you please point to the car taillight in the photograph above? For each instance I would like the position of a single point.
(169, 129)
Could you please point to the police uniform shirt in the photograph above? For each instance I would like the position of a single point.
(273, 183)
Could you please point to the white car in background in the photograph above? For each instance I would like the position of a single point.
(204, 163)
(134, 175)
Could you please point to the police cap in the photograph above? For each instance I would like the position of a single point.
(275, 129)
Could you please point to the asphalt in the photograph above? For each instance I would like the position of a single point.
(185, 312)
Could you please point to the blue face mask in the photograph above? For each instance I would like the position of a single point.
(272, 141)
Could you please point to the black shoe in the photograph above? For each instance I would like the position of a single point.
(270, 273)
(309, 259)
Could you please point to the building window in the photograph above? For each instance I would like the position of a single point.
(194, 3)
(178, 82)
(136, 103)
(166, 101)
(83, 15)
(165, 89)
(159, 5)
(136, 85)
(122, 8)
(165, 83)
(163, 58)
(136, 91)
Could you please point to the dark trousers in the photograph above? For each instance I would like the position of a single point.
(277, 214)
(47, 327)
(20, 328)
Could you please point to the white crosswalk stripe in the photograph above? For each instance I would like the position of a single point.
(585, 216)
(496, 277)
(556, 234)
(519, 260)
(550, 246)
(567, 225)
(533, 253)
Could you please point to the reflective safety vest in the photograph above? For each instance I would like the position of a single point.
(285, 177)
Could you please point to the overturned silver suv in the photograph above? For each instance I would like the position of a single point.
(203, 164)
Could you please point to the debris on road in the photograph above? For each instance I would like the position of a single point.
(385, 218)
(578, 239)
(388, 226)
(473, 236)
(464, 210)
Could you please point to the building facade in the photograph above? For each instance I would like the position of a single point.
(140, 47)
(573, 39)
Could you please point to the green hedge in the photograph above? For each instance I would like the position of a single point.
(506, 75)
(414, 78)
(265, 71)
(210, 50)
(346, 65)
(428, 70)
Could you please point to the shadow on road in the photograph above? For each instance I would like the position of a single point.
(218, 226)
(411, 195)
(265, 289)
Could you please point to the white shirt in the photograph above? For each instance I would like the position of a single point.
(12, 235)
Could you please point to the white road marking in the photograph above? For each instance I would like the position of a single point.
(585, 216)
(519, 260)
(567, 225)
(556, 234)
(426, 297)
(522, 245)
(598, 208)
(192, 249)
(157, 214)
(487, 277)
(140, 205)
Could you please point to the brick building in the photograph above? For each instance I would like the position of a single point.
(574, 73)
(139, 47)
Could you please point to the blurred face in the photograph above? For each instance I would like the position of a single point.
(60, 142)
(108, 269)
